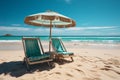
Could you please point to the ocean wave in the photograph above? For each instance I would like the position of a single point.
(94, 37)
(97, 41)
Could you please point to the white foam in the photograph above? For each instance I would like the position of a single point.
(98, 41)
(75, 40)
(10, 40)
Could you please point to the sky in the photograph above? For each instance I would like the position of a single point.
(93, 17)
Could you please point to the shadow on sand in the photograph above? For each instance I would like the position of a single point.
(63, 61)
(17, 68)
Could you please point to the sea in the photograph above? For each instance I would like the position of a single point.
(90, 39)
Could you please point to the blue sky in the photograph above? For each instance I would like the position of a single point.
(93, 17)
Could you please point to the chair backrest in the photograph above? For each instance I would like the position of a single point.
(32, 47)
(58, 45)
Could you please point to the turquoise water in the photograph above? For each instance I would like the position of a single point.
(66, 38)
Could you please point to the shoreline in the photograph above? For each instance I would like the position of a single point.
(10, 45)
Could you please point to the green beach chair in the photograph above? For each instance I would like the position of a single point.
(60, 49)
(34, 53)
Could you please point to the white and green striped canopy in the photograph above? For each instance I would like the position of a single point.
(50, 19)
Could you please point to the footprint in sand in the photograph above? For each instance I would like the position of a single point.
(93, 70)
(55, 73)
(80, 71)
(116, 72)
(86, 78)
(112, 61)
(118, 66)
(70, 75)
(79, 65)
(107, 68)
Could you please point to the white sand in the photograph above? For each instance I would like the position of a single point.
(91, 62)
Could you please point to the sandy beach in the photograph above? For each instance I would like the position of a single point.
(91, 62)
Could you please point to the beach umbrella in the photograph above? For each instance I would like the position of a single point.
(50, 19)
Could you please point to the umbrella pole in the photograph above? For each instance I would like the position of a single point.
(50, 36)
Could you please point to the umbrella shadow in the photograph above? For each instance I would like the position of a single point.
(17, 68)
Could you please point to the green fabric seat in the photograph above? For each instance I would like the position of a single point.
(32, 48)
(59, 47)
(34, 53)
(65, 53)
(36, 58)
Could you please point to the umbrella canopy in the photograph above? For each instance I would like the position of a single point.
(50, 19)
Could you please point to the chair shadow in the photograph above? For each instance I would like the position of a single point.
(63, 61)
(17, 68)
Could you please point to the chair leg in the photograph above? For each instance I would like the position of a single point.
(23, 61)
(48, 64)
(27, 65)
(51, 64)
(72, 58)
(57, 58)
